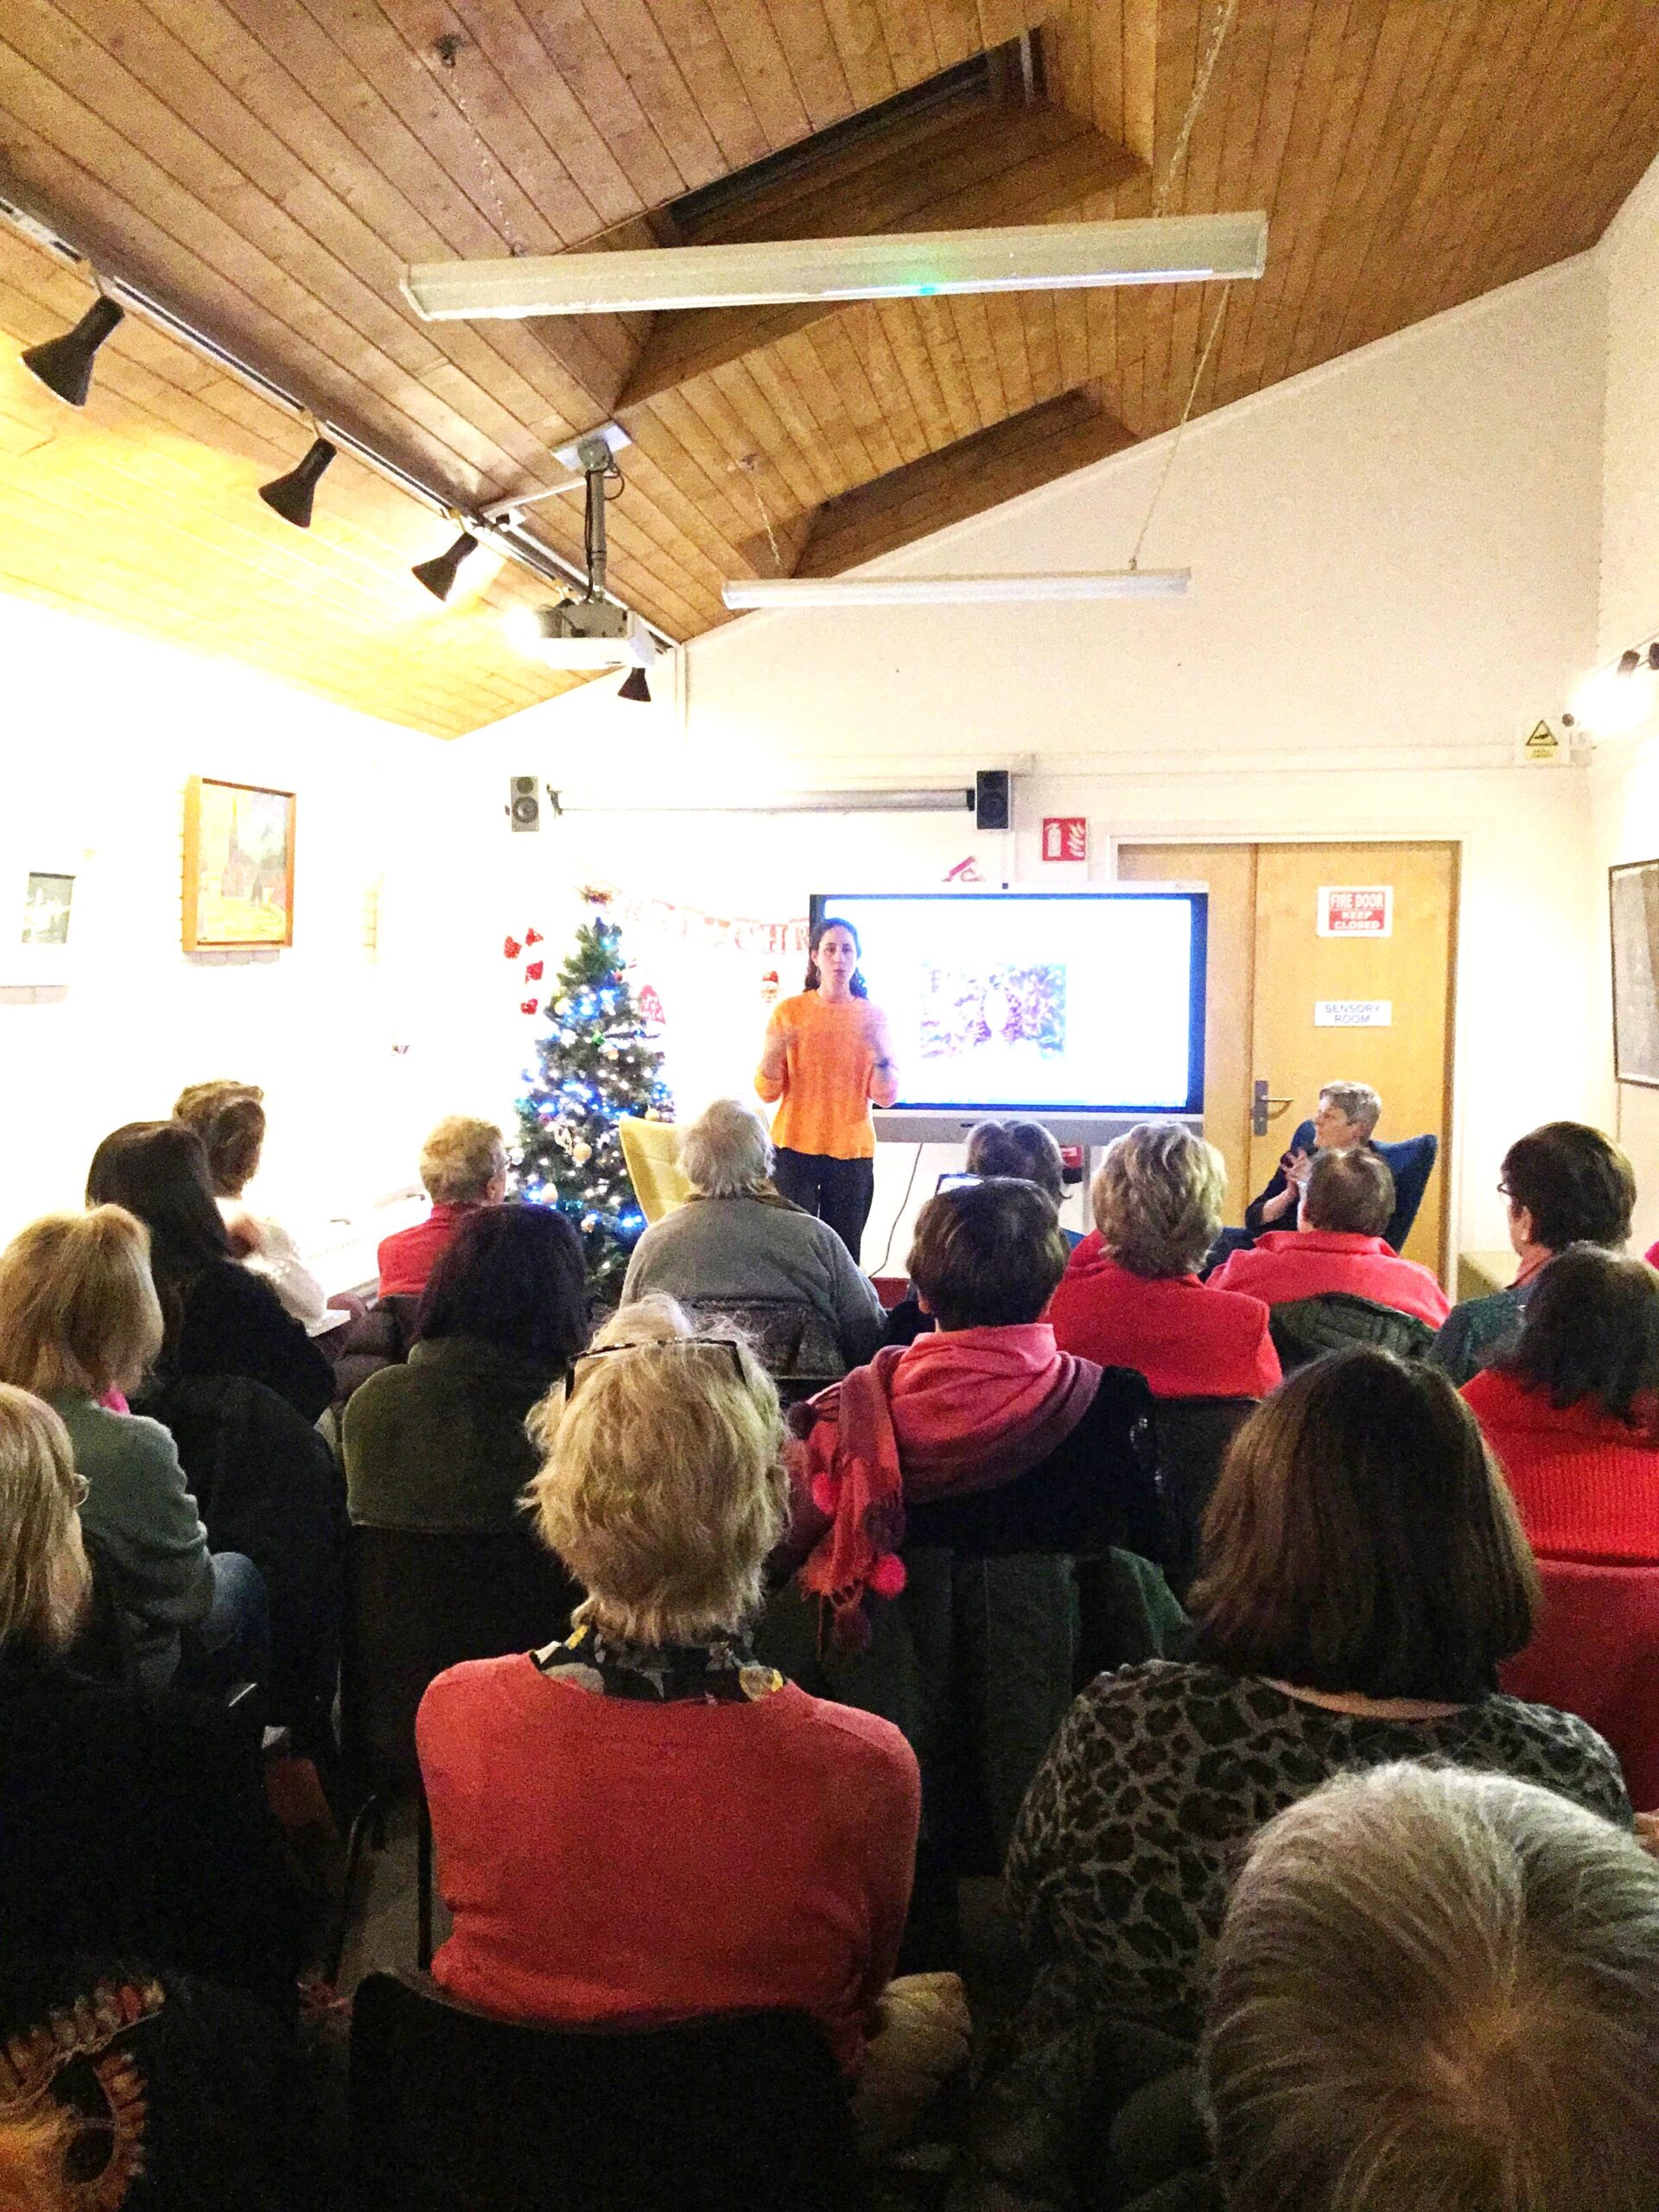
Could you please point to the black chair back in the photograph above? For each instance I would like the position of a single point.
(1304, 1328)
(1192, 1435)
(453, 2111)
(789, 1335)
(416, 1603)
(103, 1647)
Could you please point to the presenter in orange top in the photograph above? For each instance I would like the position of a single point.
(827, 1058)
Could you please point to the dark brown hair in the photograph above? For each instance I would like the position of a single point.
(1591, 1330)
(513, 1277)
(158, 1170)
(1362, 1540)
(1348, 1191)
(1025, 1149)
(858, 986)
(1576, 1184)
(230, 1120)
(987, 1255)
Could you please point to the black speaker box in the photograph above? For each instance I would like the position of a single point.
(992, 806)
(522, 805)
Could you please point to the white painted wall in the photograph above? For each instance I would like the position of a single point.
(100, 731)
(1625, 777)
(1393, 574)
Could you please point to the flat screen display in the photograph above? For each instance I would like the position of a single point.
(1038, 1002)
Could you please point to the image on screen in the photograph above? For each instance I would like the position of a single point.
(1086, 1002)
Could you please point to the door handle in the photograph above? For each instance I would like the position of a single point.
(1264, 1107)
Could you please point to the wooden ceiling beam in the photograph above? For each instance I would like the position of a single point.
(951, 485)
(978, 163)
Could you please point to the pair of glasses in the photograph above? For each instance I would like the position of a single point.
(728, 1345)
(79, 1489)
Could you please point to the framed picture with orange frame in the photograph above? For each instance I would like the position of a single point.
(238, 865)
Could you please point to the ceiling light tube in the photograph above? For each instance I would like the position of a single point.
(951, 591)
(948, 801)
(1022, 258)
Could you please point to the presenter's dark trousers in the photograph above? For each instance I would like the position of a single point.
(838, 1191)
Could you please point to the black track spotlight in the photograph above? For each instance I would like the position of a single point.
(634, 686)
(291, 495)
(1628, 661)
(439, 574)
(65, 364)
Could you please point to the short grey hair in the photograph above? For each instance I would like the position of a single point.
(1438, 1987)
(1357, 1102)
(726, 1152)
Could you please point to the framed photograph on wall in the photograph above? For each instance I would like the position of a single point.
(1633, 903)
(238, 865)
(39, 904)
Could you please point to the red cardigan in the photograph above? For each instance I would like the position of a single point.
(1586, 1484)
(1189, 1340)
(612, 1859)
(408, 1257)
(1291, 1263)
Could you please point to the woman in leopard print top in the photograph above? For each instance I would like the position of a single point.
(1365, 1573)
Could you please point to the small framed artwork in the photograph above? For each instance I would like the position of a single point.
(39, 906)
(238, 865)
(1633, 900)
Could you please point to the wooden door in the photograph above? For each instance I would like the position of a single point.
(1272, 972)
(1408, 972)
(1229, 874)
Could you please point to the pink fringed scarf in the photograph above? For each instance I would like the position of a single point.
(964, 1410)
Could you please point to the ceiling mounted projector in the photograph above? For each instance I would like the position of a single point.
(591, 633)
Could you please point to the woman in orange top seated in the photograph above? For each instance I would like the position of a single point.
(827, 1056)
(1573, 1412)
(1130, 1296)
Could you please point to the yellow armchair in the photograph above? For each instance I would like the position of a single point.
(651, 1153)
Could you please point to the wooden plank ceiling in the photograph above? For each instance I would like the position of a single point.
(267, 166)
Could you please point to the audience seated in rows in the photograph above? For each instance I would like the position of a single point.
(1571, 1410)
(1364, 1574)
(737, 1239)
(1563, 1184)
(219, 1318)
(440, 1444)
(230, 1119)
(1437, 1988)
(133, 1827)
(79, 1317)
(1347, 1116)
(463, 1167)
(1340, 1247)
(644, 1822)
(1131, 1297)
(941, 1492)
(1023, 1150)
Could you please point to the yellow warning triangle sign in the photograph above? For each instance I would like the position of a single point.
(1542, 745)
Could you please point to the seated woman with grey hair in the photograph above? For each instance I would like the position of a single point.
(736, 1241)
(641, 1823)
(1438, 1988)
(1131, 1295)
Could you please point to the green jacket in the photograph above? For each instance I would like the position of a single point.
(440, 1444)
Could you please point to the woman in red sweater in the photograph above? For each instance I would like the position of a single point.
(1131, 1297)
(641, 1823)
(1572, 1413)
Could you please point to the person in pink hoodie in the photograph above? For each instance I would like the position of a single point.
(1340, 1247)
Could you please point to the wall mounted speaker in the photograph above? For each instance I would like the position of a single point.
(522, 805)
(992, 807)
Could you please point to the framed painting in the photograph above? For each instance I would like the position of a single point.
(239, 865)
(1633, 901)
(39, 902)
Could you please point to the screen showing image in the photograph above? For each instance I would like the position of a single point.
(1090, 1001)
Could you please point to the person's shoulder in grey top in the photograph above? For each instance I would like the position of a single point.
(140, 1509)
(755, 1247)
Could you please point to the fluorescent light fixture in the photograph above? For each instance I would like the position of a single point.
(1023, 257)
(952, 800)
(951, 591)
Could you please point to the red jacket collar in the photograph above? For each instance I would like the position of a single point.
(1324, 1240)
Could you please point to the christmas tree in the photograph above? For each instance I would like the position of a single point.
(596, 1063)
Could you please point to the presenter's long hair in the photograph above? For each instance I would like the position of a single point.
(858, 986)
